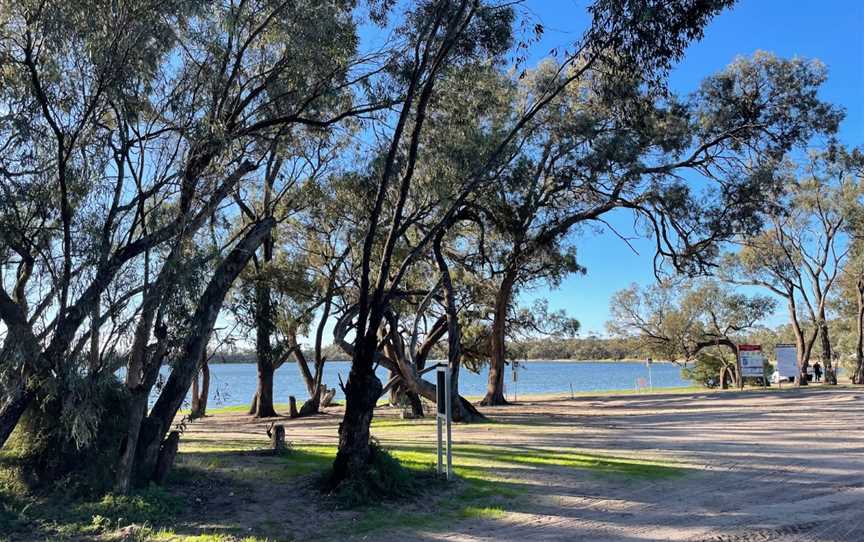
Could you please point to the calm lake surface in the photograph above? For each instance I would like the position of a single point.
(234, 384)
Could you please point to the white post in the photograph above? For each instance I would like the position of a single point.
(440, 450)
(449, 416)
(650, 381)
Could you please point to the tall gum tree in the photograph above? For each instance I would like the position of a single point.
(679, 320)
(801, 252)
(650, 35)
(608, 144)
(131, 129)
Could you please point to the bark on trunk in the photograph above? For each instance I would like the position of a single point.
(94, 337)
(128, 442)
(827, 353)
(303, 366)
(167, 453)
(495, 386)
(397, 393)
(804, 344)
(312, 406)
(361, 393)
(202, 322)
(858, 376)
(199, 397)
(262, 404)
(10, 413)
(19, 338)
(138, 411)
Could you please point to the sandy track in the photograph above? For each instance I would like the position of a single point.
(761, 467)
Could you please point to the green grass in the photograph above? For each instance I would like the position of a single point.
(478, 491)
(59, 517)
(170, 536)
(481, 489)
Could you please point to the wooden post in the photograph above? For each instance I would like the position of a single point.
(167, 453)
(277, 438)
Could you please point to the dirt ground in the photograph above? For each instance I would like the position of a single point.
(781, 465)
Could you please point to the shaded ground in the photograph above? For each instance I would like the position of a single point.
(732, 466)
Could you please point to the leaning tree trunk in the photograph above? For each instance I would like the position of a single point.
(397, 392)
(19, 338)
(159, 421)
(361, 394)
(401, 392)
(11, 411)
(495, 386)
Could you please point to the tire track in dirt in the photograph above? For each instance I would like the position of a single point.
(630, 503)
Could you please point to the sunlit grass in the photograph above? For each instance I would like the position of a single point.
(164, 535)
(487, 484)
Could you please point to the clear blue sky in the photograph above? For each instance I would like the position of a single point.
(830, 30)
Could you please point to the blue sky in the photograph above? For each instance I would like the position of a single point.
(830, 30)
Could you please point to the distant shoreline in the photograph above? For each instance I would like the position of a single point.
(626, 360)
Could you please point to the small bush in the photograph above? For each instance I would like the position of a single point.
(384, 479)
(705, 371)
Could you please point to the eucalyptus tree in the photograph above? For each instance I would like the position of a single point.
(692, 171)
(679, 321)
(125, 133)
(271, 296)
(292, 291)
(801, 252)
(853, 280)
(442, 35)
(850, 295)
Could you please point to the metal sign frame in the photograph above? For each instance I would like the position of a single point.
(444, 416)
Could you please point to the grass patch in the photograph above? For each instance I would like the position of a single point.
(241, 409)
(469, 457)
(170, 536)
(485, 512)
(387, 477)
(59, 517)
(478, 493)
(307, 460)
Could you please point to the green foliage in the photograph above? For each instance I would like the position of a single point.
(384, 479)
(71, 445)
(705, 370)
(25, 513)
(152, 505)
(676, 321)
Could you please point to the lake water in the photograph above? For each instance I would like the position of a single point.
(234, 384)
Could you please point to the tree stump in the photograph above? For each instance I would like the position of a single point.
(277, 438)
(292, 412)
(327, 398)
(167, 453)
(310, 407)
